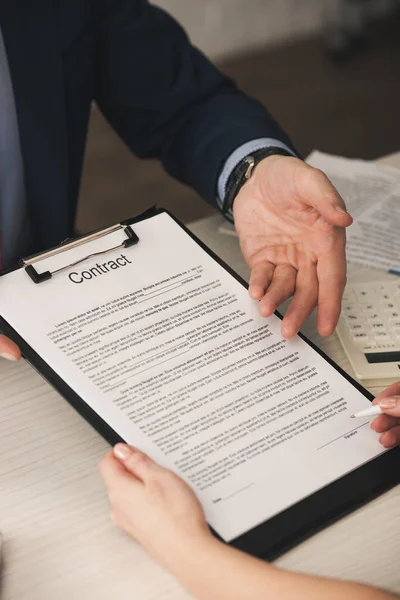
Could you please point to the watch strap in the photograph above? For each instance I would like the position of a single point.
(243, 171)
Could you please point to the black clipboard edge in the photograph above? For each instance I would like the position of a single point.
(282, 532)
(47, 373)
(322, 508)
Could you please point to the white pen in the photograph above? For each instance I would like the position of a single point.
(372, 411)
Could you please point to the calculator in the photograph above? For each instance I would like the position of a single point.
(369, 329)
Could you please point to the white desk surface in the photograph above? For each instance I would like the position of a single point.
(59, 541)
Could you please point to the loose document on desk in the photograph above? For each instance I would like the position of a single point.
(372, 195)
(169, 349)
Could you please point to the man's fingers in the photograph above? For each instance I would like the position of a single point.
(304, 301)
(391, 438)
(383, 423)
(8, 349)
(260, 279)
(331, 271)
(135, 462)
(281, 288)
(316, 190)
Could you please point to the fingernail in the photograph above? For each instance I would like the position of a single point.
(388, 403)
(122, 451)
(7, 356)
(288, 334)
(342, 210)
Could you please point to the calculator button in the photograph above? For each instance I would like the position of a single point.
(377, 326)
(388, 305)
(382, 338)
(370, 346)
(387, 296)
(373, 316)
(357, 327)
(349, 307)
(371, 313)
(353, 319)
(392, 315)
(394, 324)
(361, 338)
(379, 333)
(368, 307)
(364, 295)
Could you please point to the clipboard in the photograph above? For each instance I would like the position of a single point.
(289, 527)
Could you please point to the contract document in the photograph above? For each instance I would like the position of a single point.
(167, 347)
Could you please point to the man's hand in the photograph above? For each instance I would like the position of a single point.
(388, 425)
(8, 349)
(290, 221)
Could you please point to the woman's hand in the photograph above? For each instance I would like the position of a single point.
(389, 423)
(150, 503)
(161, 512)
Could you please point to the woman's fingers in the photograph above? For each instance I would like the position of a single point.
(383, 423)
(392, 390)
(390, 406)
(391, 438)
(388, 424)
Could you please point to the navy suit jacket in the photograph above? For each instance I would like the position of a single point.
(161, 95)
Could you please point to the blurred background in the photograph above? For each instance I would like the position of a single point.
(327, 70)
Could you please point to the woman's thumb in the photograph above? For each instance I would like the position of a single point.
(134, 461)
(8, 349)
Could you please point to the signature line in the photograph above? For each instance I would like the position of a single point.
(341, 436)
(238, 491)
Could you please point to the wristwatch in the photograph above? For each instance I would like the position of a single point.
(242, 173)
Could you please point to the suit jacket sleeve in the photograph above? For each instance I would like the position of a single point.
(164, 97)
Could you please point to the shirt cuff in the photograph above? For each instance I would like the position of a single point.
(239, 154)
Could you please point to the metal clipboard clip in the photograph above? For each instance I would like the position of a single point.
(27, 263)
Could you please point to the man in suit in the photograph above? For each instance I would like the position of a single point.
(166, 100)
